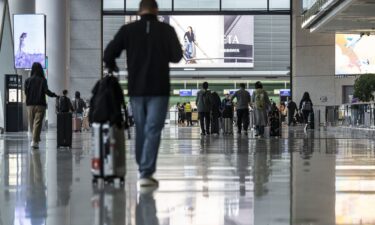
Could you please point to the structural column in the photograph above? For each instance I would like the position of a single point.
(57, 43)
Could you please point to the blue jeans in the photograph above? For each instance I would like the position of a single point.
(149, 116)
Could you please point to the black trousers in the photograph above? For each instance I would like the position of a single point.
(204, 119)
(242, 119)
(215, 123)
(306, 116)
(188, 119)
(291, 118)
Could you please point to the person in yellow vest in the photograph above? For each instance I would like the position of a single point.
(188, 111)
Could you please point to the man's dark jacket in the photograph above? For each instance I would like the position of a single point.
(36, 89)
(150, 46)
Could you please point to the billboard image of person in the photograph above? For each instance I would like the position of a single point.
(29, 40)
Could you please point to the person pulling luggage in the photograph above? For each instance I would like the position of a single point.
(150, 46)
(227, 109)
(64, 118)
(36, 89)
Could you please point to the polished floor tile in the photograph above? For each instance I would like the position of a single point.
(322, 177)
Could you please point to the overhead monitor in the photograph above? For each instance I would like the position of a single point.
(354, 54)
(29, 40)
(185, 93)
(284, 92)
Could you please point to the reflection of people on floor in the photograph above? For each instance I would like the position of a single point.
(146, 210)
(65, 176)
(36, 200)
(243, 163)
(189, 48)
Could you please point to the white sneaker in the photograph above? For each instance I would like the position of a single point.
(34, 144)
(148, 182)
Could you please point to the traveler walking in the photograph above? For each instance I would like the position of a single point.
(215, 113)
(64, 121)
(306, 106)
(262, 105)
(203, 103)
(292, 109)
(150, 46)
(36, 89)
(243, 102)
(227, 114)
(79, 105)
(188, 112)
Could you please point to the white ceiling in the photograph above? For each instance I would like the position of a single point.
(351, 16)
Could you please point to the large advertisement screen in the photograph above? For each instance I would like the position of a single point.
(29, 40)
(354, 54)
(210, 41)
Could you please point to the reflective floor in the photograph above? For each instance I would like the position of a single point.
(323, 177)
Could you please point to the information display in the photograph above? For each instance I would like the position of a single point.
(354, 55)
(185, 92)
(29, 40)
(285, 92)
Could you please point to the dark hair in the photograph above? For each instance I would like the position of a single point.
(306, 96)
(148, 5)
(258, 85)
(77, 94)
(23, 35)
(65, 92)
(37, 70)
(191, 28)
(242, 85)
(205, 85)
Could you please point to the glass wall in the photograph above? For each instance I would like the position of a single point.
(201, 5)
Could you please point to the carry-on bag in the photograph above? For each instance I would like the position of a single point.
(77, 124)
(64, 130)
(108, 153)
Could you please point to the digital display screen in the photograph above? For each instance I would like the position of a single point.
(29, 40)
(285, 92)
(354, 55)
(185, 93)
(222, 41)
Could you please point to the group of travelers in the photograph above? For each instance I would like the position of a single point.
(150, 47)
(185, 112)
(212, 111)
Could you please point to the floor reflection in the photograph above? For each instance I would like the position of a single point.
(324, 177)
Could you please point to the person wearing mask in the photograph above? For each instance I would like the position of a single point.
(188, 112)
(79, 105)
(292, 109)
(243, 102)
(306, 107)
(203, 102)
(36, 89)
(215, 112)
(262, 105)
(150, 46)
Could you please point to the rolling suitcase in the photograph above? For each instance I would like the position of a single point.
(77, 124)
(311, 120)
(64, 130)
(108, 153)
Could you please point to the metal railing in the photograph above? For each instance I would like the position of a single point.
(315, 9)
(361, 115)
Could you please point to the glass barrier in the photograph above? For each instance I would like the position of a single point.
(361, 115)
(313, 7)
(113, 4)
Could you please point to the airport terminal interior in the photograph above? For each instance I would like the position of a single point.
(318, 171)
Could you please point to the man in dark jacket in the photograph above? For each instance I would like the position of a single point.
(204, 104)
(215, 113)
(36, 89)
(243, 102)
(150, 46)
(292, 108)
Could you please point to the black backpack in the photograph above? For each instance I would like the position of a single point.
(107, 102)
(63, 104)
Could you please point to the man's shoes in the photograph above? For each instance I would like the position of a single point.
(148, 182)
(34, 145)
